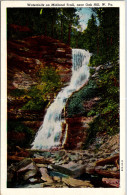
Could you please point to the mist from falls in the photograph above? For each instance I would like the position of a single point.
(49, 134)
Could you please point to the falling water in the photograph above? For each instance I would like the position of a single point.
(50, 132)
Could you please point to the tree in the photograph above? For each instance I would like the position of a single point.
(90, 35)
(108, 33)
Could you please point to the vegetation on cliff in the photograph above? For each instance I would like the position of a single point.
(33, 99)
(103, 42)
(39, 95)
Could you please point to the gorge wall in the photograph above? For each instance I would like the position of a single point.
(25, 58)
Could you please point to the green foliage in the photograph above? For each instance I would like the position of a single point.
(17, 92)
(90, 35)
(75, 102)
(92, 71)
(96, 60)
(57, 23)
(50, 77)
(18, 128)
(91, 113)
(39, 94)
(107, 109)
(35, 104)
(103, 40)
(104, 45)
(108, 123)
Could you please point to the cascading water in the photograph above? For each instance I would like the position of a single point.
(50, 132)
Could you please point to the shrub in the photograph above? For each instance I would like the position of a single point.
(75, 102)
(18, 128)
(48, 84)
(17, 92)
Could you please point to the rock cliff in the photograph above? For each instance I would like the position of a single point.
(25, 58)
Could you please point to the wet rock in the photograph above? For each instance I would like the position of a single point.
(107, 173)
(107, 167)
(41, 165)
(71, 182)
(33, 180)
(114, 169)
(110, 160)
(25, 164)
(60, 154)
(57, 174)
(42, 160)
(46, 154)
(87, 153)
(111, 182)
(92, 160)
(26, 169)
(73, 157)
(60, 162)
(31, 166)
(90, 168)
(71, 168)
(50, 167)
(29, 174)
(81, 162)
(56, 178)
(45, 176)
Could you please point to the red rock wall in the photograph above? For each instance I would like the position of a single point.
(24, 59)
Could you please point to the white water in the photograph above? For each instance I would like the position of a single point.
(50, 132)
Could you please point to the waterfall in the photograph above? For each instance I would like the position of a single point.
(50, 132)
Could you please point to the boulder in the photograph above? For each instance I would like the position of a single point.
(71, 168)
(30, 174)
(45, 176)
(59, 154)
(108, 173)
(111, 182)
(71, 182)
(26, 169)
(30, 166)
(90, 168)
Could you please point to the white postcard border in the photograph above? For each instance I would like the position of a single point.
(74, 191)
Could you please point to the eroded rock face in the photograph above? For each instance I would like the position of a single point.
(24, 59)
(77, 132)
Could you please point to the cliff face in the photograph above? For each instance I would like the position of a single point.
(25, 58)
